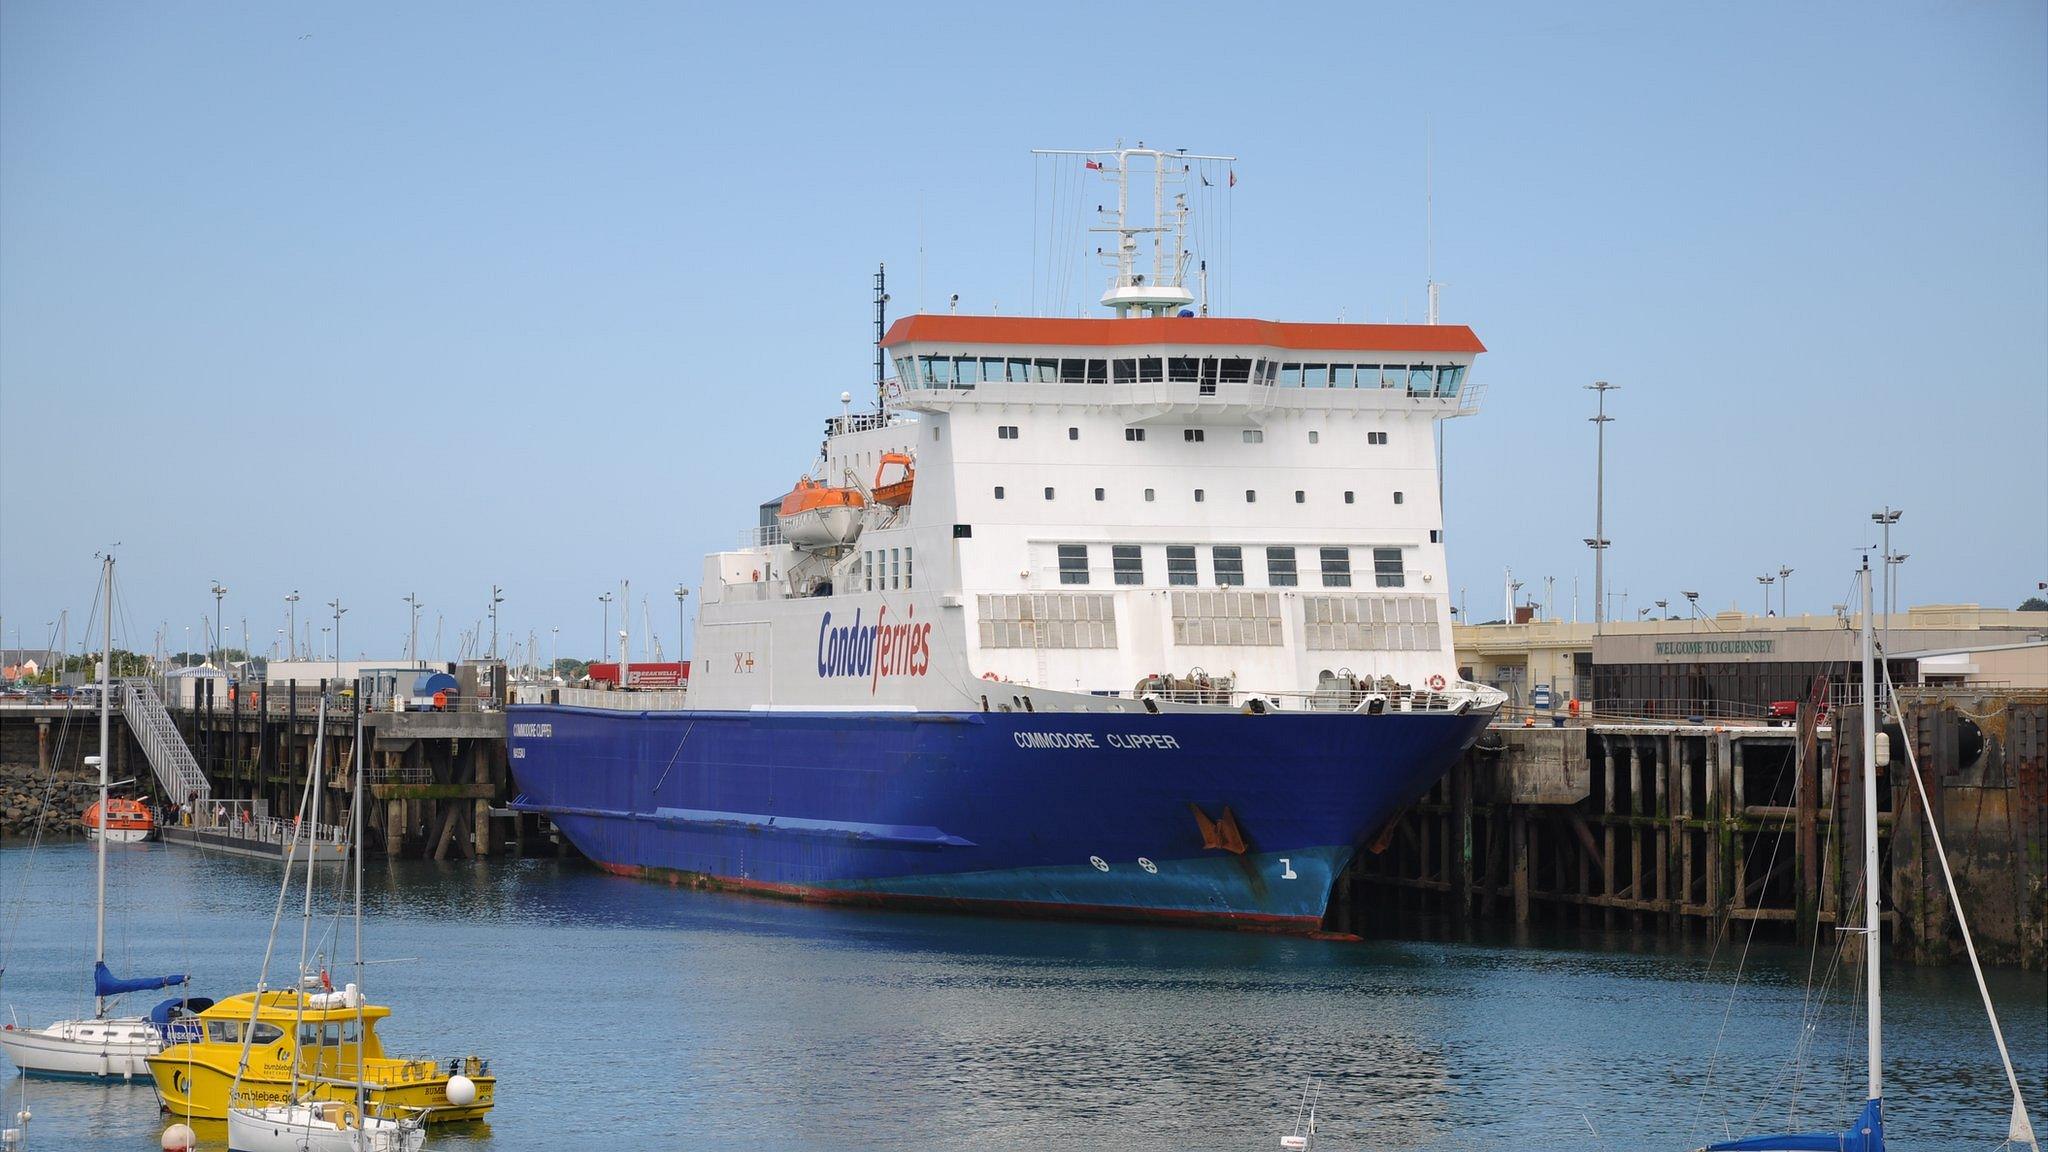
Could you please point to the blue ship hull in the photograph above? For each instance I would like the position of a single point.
(1224, 819)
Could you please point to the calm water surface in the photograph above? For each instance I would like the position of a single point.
(623, 1014)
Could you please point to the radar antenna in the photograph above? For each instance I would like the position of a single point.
(1164, 292)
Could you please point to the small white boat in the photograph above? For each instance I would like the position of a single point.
(320, 1126)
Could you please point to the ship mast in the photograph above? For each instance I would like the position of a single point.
(1129, 292)
(881, 317)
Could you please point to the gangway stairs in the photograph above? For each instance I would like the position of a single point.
(176, 769)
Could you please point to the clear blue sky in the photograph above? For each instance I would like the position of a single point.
(376, 299)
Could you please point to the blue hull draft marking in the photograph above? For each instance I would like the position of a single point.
(1045, 812)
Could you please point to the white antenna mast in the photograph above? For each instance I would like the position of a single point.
(1166, 294)
(1429, 216)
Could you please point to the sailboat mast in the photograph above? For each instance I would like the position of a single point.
(1872, 926)
(99, 947)
(355, 843)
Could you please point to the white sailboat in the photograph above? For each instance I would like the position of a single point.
(1867, 1133)
(304, 1124)
(100, 1046)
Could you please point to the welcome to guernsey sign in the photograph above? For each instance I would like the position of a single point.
(1714, 647)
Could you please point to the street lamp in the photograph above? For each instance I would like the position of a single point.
(1891, 584)
(291, 627)
(1661, 605)
(339, 611)
(1887, 517)
(1784, 590)
(413, 647)
(1767, 581)
(604, 634)
(497, 598)
(555, 652)
(218, 592)
(1598, 542)
(682, 594)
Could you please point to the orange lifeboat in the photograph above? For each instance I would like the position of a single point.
(127, 821)
(895, 494)
(817, 515)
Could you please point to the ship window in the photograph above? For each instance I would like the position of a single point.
(1236, 370)
(1386, 568)
(1048, 493)
(1129, 562)
(1340, 376)
(1098, 371)
(1200, 495)
(867, 567)
(966, 371)
(1290, 375)
(1193, 435)
(1336, 567)
(1315, 376)
(1421, 380)
(935, 431)
(1315, 437)
(1436, 535)
(1375, 437)
(1208, 375)
(1272, 372)
(1393, 376)
(1134, 434)
(1098, 494)
(1072, 371)
(1048, 371)
(1180, 564)
(1073, 563)
(1398, 498)
(224, 1031)
(1251, 496)
(939, 371)
(1255, 436)
(1148, 495)
(895, 568)
(1229, 564)
(1148, 369)
(1300, 497)
(1073, 433)
(1020, 371)
(1184, 369)
(1124, 371)
(1006, 431)
(1449, 379)
(999, 491)
(1280, 571)
(992, 371)
(906, 569)
(1350, 497)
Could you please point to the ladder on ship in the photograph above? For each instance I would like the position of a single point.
(176, 769)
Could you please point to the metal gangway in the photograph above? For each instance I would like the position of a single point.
(150, 721)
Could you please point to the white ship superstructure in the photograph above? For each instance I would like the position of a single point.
(1194, 508)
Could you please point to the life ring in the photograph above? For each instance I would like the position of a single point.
(1436, 682)
(895, 389)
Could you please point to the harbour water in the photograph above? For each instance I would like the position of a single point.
(619, 1013)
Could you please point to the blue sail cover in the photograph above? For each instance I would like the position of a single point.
(105, 983)
(1866, 1136)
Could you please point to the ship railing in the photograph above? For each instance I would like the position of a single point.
(1452, 697)
(637, 700)
(400, 774)
(225, 819)
(764, 536)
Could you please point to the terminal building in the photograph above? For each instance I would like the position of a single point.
(1734, 664)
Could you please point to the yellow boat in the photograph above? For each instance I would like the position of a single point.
(317, 1031)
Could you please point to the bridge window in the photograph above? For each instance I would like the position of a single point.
(1072, 371)
(966, 371)
(1229, 560)
(1124, 371)
(1129, 562)
(1235, 370)
(1336, 567)
(1180, 564)
(1149, 369)
(1449, 379)
(1280, 571)
(1290, 375)
(1073, 563)
(1315, 376)
(1098, 371)
(1421, 380)
(992, 371)
(1208, 375)
(1185, 369)
(1386, 568)
(1341, 376)
(1048, 371)
(938, 371)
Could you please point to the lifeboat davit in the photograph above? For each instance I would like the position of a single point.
(817, 515)
(127, 821)
(896, 493)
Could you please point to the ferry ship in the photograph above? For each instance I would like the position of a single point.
(1141, 616)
